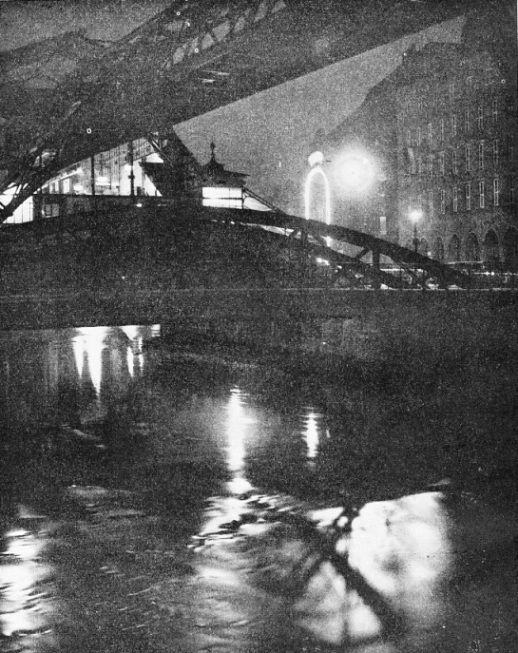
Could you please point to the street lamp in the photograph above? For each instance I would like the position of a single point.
(415, 216)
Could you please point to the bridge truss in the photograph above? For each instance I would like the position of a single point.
(375, 263)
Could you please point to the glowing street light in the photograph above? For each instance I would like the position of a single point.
(415, 216)
(356, 171)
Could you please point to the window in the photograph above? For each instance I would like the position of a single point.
(512, 191)
(420, 202)
(455, 162)
(468, 196)
(481, 155)
(496, 191)
(442, 130)
(443, 201)
(496, 152)
(480, 116)
(482, 194)
(468, 158)
(451, 90)
(454, 124)
(495, 111)
(430, 202)
(419, 135)
(441, 162)
(467, 121)
(469, 83)
(408, 137)
(430, 132)
(66, 185)
(455, 203)
(222, 197)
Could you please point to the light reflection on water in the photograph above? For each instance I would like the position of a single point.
(24, 609)
(312, 435)
(185, 410)
(237, 425)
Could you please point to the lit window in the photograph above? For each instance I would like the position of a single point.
(66, 185)
(443, 201)
(451, 90)
(495, 111)
(481, 155)
(482, 194)
(496, 152)
(455, 202)
(467, 121)
(468, 196)
(468, 158)
(222, 197)
(496, 191)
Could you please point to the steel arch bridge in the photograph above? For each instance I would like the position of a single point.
(331, 255)
(326, 242)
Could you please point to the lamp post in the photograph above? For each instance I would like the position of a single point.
(415, 216)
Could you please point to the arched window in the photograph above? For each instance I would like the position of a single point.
(510, 249)
(472, 248)
(439, 249)
(491, 248)
(454, 249)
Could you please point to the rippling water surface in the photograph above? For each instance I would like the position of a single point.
(154, 499)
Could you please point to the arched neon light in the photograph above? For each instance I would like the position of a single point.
(317, 170)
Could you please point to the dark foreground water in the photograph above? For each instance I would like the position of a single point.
(160, 499)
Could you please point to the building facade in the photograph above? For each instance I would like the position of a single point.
(429, 160)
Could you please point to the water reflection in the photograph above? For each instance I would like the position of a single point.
(311, 433)
(88, 346)
(26, 609)
(186, 438)
(237, 434)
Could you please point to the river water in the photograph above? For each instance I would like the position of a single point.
(165, 498)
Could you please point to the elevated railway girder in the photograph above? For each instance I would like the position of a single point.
(190, 59)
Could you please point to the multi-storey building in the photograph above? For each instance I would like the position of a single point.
(456, 164)
(439, 140)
